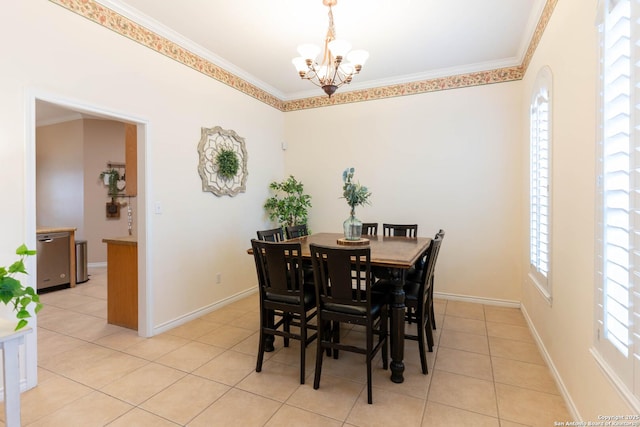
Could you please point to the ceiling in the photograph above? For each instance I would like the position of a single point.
(408, 40)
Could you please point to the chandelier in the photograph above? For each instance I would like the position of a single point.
(332, 72)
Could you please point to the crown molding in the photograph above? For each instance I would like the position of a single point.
(130, 23)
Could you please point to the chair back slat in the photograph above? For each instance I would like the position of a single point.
(294, 231)
(271, 235)
(406, 230)
(370, 228)
(343, 275)
(279, 266)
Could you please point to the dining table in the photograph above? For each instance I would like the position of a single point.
(397, 253)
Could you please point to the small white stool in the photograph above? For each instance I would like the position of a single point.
(10, 341)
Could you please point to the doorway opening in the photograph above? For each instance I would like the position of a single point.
(90, 158)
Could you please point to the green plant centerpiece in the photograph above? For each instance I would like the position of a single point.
(13, 293)
(289, 205)
(227, 162)
(356, 194)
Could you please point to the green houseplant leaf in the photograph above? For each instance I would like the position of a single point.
(289, 204)
(13, 293)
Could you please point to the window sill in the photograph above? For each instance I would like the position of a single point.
(544, 290)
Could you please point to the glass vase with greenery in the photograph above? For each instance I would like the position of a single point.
(356, 194)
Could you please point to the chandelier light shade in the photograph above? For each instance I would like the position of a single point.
(338, 63)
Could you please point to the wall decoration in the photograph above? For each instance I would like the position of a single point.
(223, 161)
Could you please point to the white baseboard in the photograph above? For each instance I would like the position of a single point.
(477, 300)
(554, 372)
(97, 264)
(163, 327)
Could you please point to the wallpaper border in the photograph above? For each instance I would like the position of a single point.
(112, 20)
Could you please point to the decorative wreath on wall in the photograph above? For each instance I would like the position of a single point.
(223, 161)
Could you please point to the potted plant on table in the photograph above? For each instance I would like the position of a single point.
(13, 293)
(356, 194)
(289, 205)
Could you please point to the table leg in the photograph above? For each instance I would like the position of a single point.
(397, 309)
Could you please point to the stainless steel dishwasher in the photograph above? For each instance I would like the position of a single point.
(53, 259)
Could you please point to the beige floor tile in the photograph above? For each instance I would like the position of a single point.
(140, 418)
(156, 347)
(76, 358)
(415, 384)
(463, 392)
(249, 321)
(275, 381)
(140, 385)
(95, 409)
(76, 341)
(226, 336)
(516, 350)
(291, 355)
(48, 397)
(66, 300)
(464, 363)
(442, 415)
(228, 368)
(524, 406)
(504, 423)
(523, 374)
(237, 408)
(439, 305)
(250, 346)
(90, 328)
(289, 416)
(52, 343)
(121, 340)
(464, 341)
(388, 409)
(460, 324)
(105, 370)
(194, 329)
(185, 399)
(190, 356)
(512, 332)
(335, 398)
(224, 315)
(465, 309)
(511, 316)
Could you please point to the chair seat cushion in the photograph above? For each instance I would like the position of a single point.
(377, 301)
(309, 295)
(411, 290)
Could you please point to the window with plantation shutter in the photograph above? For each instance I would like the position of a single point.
(618, 201)
(539, 179)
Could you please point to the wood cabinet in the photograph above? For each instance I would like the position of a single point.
(122, 282)
(131, 159)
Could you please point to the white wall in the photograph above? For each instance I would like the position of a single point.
(56, 54)
(569, 47)
(447, 160)
(59, 177)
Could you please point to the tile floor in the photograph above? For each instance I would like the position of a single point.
(485, 371)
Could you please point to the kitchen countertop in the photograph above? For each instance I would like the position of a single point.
(127, 240)
(42, 230)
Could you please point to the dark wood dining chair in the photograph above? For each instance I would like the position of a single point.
(343, 295)
(271, 235)
(406, 230)
(419, 301)
(285, 298)
(294, 231)
(370, 228)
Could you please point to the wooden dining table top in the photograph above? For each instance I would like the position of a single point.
(393, 252)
